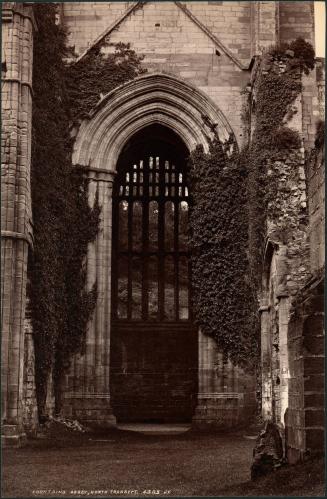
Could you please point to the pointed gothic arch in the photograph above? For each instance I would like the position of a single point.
(139, 105)
(154, 98)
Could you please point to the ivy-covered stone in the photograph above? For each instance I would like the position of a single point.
(234, 197)
(222, 304)
(64, 224)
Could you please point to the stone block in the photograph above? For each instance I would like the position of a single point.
(314, 382)
(316, 400)
(313, 365)
(314, 345)
(314, 417)
(315, 439)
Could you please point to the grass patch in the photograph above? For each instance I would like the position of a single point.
(189, 464)
(304, 479)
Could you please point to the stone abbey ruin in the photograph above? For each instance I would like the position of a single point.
(157, 92)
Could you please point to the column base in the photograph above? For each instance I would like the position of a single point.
(12, 436)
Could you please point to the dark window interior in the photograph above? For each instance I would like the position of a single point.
(151, 271)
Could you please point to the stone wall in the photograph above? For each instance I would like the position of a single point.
(226, 393)
(292, 337)
(315, 172)
(296, 19)
(163, 21)
(305, 416)
(305, 419)
(208, 44)
(321, 81)
(316, 192)
(154, 373)
(286, 262)
(173, 42)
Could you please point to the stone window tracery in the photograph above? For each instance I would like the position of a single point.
(151, 282)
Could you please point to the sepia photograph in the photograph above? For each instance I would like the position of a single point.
(162, 249)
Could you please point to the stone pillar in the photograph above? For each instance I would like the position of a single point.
(88, 394)
(17, 60)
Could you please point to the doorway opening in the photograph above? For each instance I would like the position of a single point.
(154, 358)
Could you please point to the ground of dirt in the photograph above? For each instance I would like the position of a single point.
(129, 464)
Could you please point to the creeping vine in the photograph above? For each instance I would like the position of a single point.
(233, 197)
(277, 86)
(218, 218)
(64, 224)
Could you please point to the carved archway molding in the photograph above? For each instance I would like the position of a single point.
(148, 99)
(154, 98)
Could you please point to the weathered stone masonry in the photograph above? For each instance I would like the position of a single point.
(200, 57)
(292, 331)
(16, 232)
(149, 99)
(305, 418)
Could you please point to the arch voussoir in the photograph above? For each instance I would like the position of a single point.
(149, 99)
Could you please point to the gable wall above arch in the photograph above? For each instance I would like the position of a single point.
(173, 43)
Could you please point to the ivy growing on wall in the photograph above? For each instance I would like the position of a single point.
(233, 196)
(223, 304)
(277, 85)
(64, 224)
(97, 73)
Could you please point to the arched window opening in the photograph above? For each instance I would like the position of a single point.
(151, 277)
(153, 367)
